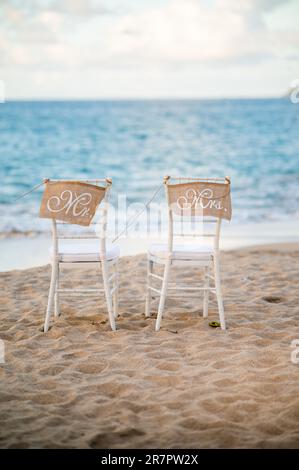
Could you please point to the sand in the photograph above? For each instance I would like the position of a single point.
(189, 385)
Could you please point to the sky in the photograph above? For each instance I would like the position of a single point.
(86, 49)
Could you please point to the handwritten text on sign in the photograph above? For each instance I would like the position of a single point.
(71, 201)
(197, 198)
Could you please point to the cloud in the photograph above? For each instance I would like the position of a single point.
(48, 21)
(44, 33)
(69, 7)
(180, 31)
(63, 37)
(189, 31)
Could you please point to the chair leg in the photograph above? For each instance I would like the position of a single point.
(51, 295)
(56, 295)
(206, 292)
(218, 292)
(115, 293)
(148, 295)
(163, 294)
(108, 294)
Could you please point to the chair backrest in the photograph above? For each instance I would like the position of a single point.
(93, 202)
(197, 205)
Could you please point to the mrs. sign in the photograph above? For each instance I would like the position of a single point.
(200, 198)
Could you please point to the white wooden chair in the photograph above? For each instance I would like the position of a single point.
(204, 254)
(85, 245)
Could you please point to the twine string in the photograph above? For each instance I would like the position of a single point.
(30, 191)
(136, 216)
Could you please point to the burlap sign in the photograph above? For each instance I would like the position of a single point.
(71, 201)
(200, 199)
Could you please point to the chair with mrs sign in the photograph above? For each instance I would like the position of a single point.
(196, 206)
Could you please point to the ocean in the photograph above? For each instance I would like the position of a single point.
(254, 141)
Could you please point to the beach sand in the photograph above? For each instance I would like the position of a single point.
(187, 386)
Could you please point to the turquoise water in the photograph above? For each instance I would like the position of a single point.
(256, 142)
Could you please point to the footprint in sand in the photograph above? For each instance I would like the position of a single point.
(87, 368)
(272, 299)
(52, 370)
(171, 366)
(106, 440)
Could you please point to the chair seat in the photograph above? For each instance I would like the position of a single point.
(183, 252)
(87, 251)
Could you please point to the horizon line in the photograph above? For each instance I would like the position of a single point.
(211, 98)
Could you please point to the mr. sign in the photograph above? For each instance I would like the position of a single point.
(73, 202)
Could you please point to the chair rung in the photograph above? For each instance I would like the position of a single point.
(79, 291)
(155, 290)
(171, 295)
(155, 276)
(199, 235)
(94, 223)
(78, 237)
(83, 294)
(187, 297)
(189, 288)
